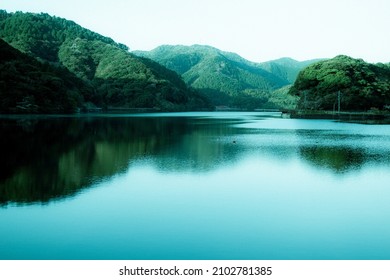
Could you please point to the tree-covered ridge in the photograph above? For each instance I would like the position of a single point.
(357, 84)
(117, 77)
(226, 78)
(286, 68)
(42, 35)
(30, 86)
(124, 80)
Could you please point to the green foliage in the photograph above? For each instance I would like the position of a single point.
(286, 68)
(116, 77)
(42, 35)
(362, 86)
(226, 78)
(281, 98)
(29, 86)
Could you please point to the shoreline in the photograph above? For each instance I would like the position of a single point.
(359, 116)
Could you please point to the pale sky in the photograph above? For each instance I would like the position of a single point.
(257, 30)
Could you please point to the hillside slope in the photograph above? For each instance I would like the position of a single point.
(30, 86)
(226, 78)
(118, 78)
(286, 68)
(360, 85)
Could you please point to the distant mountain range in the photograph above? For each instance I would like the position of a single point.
(53, 65)
(286, 68)
(226, 78)
(101, 73)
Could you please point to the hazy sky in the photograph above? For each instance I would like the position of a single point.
(258, 30)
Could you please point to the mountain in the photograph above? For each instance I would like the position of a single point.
(116, 77)
(30, 86)
(359, 85)
(286, 68)
(226, 78)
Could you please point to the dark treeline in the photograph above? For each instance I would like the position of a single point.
(30, 86)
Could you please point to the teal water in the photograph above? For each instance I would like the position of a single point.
(193, 186)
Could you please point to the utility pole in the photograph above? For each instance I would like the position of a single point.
(338, 101)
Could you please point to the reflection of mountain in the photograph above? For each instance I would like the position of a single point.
(338, 159)
(54, 157)
(342, 152)
(41, 161)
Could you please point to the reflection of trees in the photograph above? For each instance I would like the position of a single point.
(337, 159)
(49, 158)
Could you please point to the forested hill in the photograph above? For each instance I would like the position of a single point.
(361, 86)
(113, 76)
(286, 68)
(226, 78)
(30, 86)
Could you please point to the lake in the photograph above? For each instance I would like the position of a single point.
(193, 186)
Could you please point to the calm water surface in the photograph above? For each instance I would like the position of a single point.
(193, 186)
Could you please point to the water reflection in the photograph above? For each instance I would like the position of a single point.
(341, 151)
(48, 158)
(338, 159)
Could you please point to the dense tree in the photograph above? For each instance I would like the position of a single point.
(117, 78)
(29, 86)
(42, 35)
(286, 68)
(358, 85)
(228, 79)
